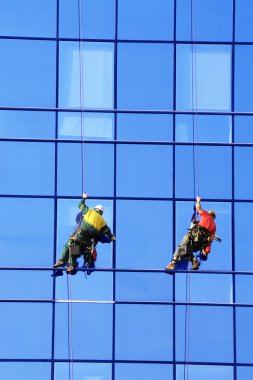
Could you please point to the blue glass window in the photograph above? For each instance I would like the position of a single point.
(243, 20)
(141, 221)
(142, 20)
(28, 18)
(207, 372)
(143, 371)
(203, 77)
(144, 127)
(25, 370)
(216, 344)
(243, 78)
(244, 334)
(135, 330)
(209, 20)
(243, 129)
(33, 166)
(136, 178)
(203, 128)
(32, 243)
(243, 236)
(97, 173)
(27, 80)
(94, 371)
(145, 76)
(90, 126)
(86, 329)
(27, 124)
(208, 165)
(93, 87)
(243, 159)
(244, 372)
(96, 20)
(243, 284)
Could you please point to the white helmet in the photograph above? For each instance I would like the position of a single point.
(99, 208)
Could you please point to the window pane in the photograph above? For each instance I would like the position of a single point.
(243, 20)
(98, 169)
(137, 326)
(145, 76)
(97, 19)
(34, 168)
(27, 124)
(143, 371)
(204, 77)
(207, 372)
(92, 371)
(86, 329)
(244, 335)
(223, 219)
(243, 129)
(136, 178)
(131, 222)
(243, 159)
(243, 78)
(28, 18)
(144, 20)
(216, 344)
(211, 20)
(32, 243)
(243, 284)
(25, 371)
(36, 322)
(209, 165)
(93, 126)
(244, 373)
(27, 73)
(203, 128)
(243, 236)
(97, 75)
(143, 287)
(144, 127)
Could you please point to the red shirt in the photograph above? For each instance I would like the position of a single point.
(207, 222)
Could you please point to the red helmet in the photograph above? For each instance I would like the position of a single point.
(212, 213)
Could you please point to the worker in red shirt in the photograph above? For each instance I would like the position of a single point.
(199, 238)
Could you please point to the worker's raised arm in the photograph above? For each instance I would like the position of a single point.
(198, 206)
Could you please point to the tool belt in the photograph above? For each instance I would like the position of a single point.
(199, 237)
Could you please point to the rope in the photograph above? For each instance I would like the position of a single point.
(81, 95)
(70, 325)
(187, 327)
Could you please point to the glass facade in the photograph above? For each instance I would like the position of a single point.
(143, 105)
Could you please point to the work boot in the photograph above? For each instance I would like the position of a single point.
(195, 264)
(59, 263)
(70, 269)
(171, 265)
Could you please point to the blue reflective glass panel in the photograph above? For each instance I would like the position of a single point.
(203, 77)
(25, 371)
(28, 18)
(243, 159)
(86, 75)
(207, 372)
(203, 128)
(27, 73)
(30, 325)
(27, 124)
(94, 18)
(243, 373)
(92, 371)
(97, 174)
(139, 175)
(89, 323)
(243, 284)
(219, 251)
(31, 244)
(139, 325)
(142, 20)
(143, 371)
(209, 20)
(243, 129)
(244, 334)
(90, 126)
(215, 344)
(144, 127)
(243, 20)
(243, 78)
(145, 78)
(143, 286)
(208, 166)
(33, 166)
(243, 236)
(141, 221)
